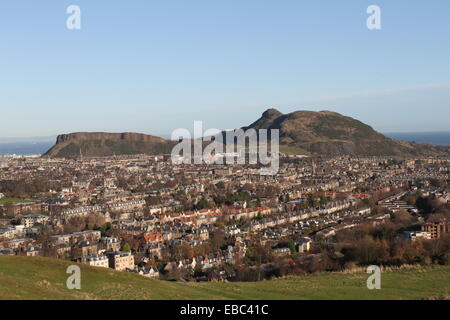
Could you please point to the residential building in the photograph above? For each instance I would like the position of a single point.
(436, 229)
(120, 260)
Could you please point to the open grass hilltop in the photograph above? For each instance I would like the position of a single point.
(42, 278)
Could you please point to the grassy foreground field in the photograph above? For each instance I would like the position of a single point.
(13, 200)
(41, 278)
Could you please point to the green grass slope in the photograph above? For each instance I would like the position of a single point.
(13, 200)
(41, 278)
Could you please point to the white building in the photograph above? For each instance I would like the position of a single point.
(31, 220)
(13, 232)
(414, 235)
(304, 245)
(97, 261)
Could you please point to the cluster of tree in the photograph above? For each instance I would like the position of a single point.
(217, 241)
(93, 221)
(267, 191)
(231, 197)
(104, 228)
(398, 252)
(153, 200)
(364, 245)
(27, 188)
(432, 207)
(315, 200)
(297, 264)
(439, 183)
(202, 203)
(382, 244)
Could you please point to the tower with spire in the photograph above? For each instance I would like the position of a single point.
(313, 166)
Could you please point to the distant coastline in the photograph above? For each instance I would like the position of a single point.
(441, 138)
(24, 148)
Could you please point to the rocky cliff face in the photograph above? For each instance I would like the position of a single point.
(97, 144)
(128, 136)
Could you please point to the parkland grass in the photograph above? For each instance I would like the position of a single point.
(43, 278)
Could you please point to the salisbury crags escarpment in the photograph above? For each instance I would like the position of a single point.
(98, 144)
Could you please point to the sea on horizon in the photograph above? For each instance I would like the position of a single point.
(24, 148)
(436, 138)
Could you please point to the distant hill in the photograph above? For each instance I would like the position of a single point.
(43, 278)
(330, 133)
(301, 132)
(98, 144)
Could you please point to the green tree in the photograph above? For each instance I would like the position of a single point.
(291, 245)
(126, 247)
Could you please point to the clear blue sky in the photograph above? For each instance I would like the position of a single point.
(153, 66)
